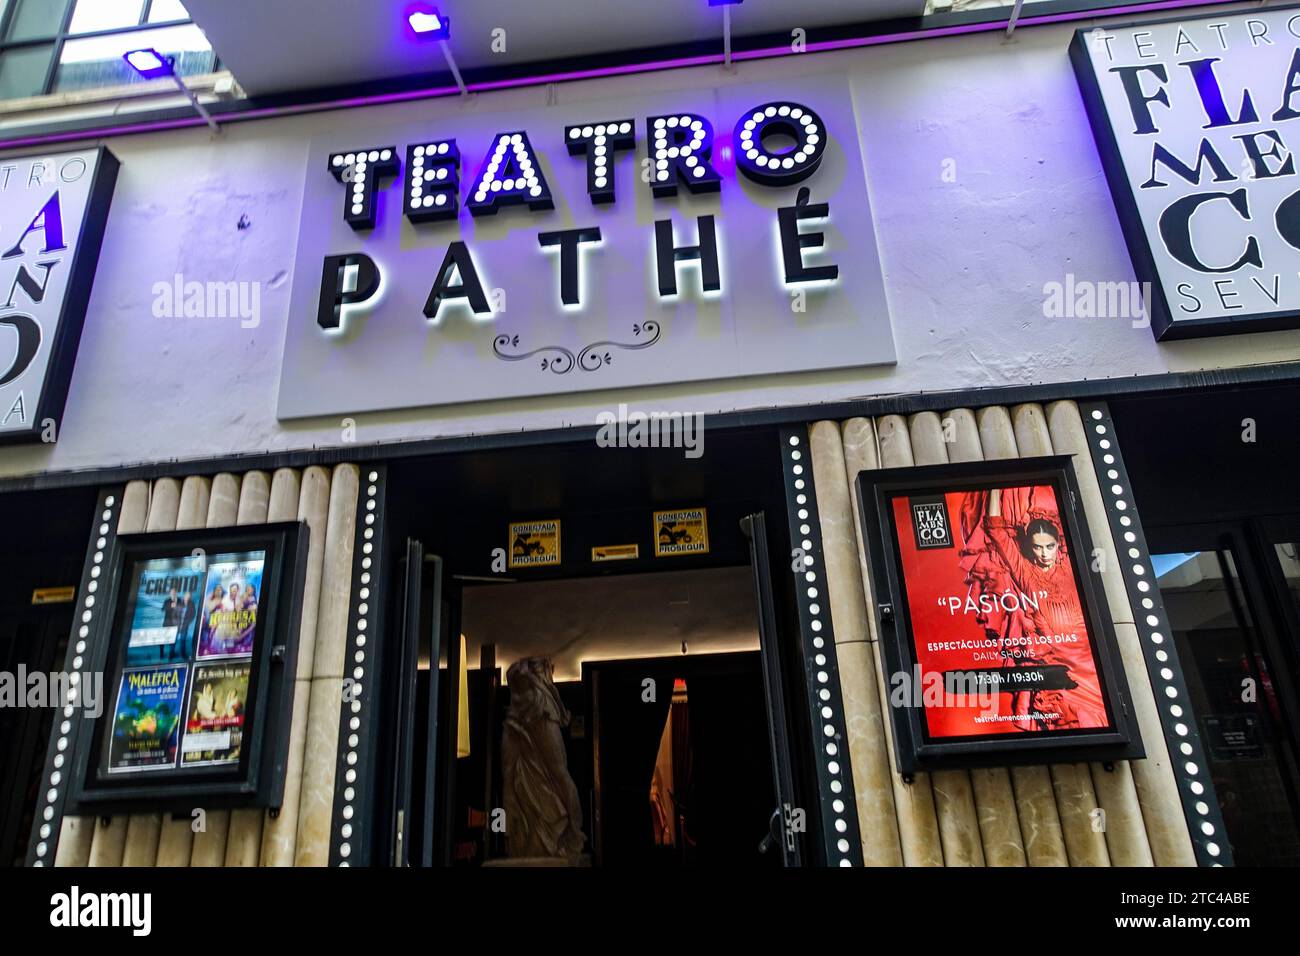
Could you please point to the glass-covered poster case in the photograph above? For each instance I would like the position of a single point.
(198, 661)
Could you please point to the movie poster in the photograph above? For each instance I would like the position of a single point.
(147, 719)
(231, 595)
(166, 595)
(214, 727)
(998, 626)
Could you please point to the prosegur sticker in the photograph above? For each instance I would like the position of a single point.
(534, 543)
(681, 532)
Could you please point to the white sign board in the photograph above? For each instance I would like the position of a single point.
(495, 255)
(52, 214)
(1196, 119)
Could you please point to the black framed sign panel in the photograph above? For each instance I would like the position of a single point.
(997, 647)
(51, 229)
(1195, 118)
(198, 648)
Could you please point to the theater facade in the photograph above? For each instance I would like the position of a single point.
(876, 454)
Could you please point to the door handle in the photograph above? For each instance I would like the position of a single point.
(773, 836)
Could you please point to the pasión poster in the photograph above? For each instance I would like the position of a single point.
(214, 727)
(166, 595)
(998, 626)
(147, 719)
(231, 595)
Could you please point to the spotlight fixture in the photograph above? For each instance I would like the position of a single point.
(427, 23)
(152, 65)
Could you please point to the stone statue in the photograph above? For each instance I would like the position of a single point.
(543, 811)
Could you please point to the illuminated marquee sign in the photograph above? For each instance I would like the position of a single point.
(595, 246)
(52, 214)
(1196, 120)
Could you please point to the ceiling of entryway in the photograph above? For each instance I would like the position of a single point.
(275, 46)
(612, 618)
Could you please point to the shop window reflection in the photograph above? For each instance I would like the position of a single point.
(1237, 709)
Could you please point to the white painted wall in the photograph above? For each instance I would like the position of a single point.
(965, 263)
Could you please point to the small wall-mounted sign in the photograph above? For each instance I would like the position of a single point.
(616, 552)
(534, 543)
(54, 595)
(681, 532)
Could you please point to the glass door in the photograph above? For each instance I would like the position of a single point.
(1225, 590)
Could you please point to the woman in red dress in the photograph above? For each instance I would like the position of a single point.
(1042, 573)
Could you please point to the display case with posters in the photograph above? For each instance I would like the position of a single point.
(996, 648)
(198, 666)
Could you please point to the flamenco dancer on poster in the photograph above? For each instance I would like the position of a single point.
(1014, 544)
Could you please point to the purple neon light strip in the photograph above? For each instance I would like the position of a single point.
(127, 129)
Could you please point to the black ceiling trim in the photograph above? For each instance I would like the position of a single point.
(1287, 373)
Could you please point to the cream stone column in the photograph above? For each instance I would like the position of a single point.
(1151, 781)
(209, 846)
(868, 446)
(324, 709)
(1115, 788)
(869, 756)
(954, 797)
(995, 800)
(280, 832)
(78, 835)
(244, 828)
(1040, 825)
(1075, 798)
(142, 829)
(176, 835)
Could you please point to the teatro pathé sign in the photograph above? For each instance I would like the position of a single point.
(53, 208)
(1196, 120)
(703, 234)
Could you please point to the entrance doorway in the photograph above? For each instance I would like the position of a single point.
(635, 712)
(660, 712)
(1222, 519)
(45, 537)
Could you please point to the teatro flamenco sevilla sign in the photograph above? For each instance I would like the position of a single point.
(53, 209)
(1196, 121)
(719, 234)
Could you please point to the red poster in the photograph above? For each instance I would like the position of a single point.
(1000, 636)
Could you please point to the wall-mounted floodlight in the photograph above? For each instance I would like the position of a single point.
(427, 23)
(726, 26)
(151, 65)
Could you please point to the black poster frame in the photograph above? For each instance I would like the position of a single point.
(258, 779)
(914, 750)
